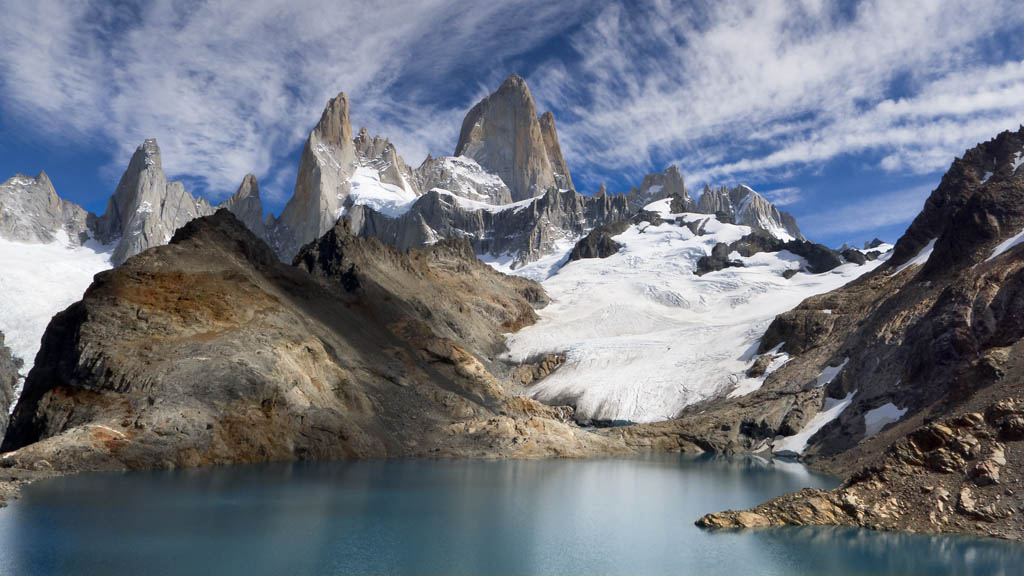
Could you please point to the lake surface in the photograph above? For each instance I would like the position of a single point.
(630, 516)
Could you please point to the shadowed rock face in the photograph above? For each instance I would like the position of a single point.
(9, 366)
(31, 211)
(524, 231)
(146, 209)
(505, 136)
(210, 350)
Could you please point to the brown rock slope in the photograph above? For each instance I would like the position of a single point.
(925, 339)
(209, 350)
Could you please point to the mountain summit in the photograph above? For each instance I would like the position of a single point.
(505, 136)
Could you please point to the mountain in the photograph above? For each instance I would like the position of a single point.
(906, 381)
(463, 177)
(742, 205)
(338, 170)
(247, 206)
(661, 185)
(210, 350)
(31, 212)
(504, 135)
(146, 209)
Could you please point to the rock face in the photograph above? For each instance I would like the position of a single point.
(662, 185)
(210, 350)
(9, 366)
(246, 205)
(525, 231)
(742, 205)
(560, 170)
(505, 136)
(31, 211)
(463, 177)
(146, 209)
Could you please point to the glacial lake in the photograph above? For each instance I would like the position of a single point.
(619, 516)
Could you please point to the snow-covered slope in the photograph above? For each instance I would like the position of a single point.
(644, 336)
(39, 280)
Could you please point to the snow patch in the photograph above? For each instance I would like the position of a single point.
(878, 418)
(388, 199)
(829, 374)
(1018, 159)
(797, 443)
(1008, 244)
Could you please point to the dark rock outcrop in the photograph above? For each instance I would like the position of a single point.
(717, 260)
(599, 243)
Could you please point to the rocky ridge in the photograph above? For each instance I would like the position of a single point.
(224, 354)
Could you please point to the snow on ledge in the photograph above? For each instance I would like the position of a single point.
(829, 374)
(1007, 245)
(918, 260)
(878, 418)
(797, 443)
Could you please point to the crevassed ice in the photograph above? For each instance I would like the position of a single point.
(632, 351)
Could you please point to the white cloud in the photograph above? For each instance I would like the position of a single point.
(770, 85)
(783, 196)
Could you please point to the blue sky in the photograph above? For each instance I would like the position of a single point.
(845, 113)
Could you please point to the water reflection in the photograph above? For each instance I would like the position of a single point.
(632, 516)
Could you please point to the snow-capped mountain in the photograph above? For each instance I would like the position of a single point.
(31, 211)
(742, 205)
(644, 336)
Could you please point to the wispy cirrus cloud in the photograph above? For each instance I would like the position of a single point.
(232, 86)
(749, 89)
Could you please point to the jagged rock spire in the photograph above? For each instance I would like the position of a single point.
(146, 209)
(504, 135)
(246, 205)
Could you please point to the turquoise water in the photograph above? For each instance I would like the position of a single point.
(632, 516)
